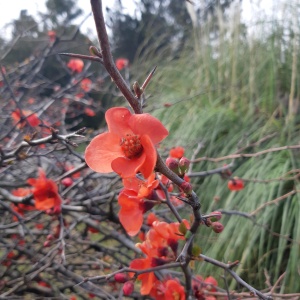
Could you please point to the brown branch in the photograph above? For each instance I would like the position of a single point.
(108, 59)
(246, 155)
(227, 268)
(275, 201)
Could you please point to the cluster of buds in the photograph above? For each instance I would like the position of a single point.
(128, 286)
(212, 221)
(178, 166)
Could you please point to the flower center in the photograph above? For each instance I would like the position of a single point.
(131, 146)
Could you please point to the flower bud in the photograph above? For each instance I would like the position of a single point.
(67, 181)
(184, 165)
(128, 288)
(217, 227)
(173, 164)
(50, 237)
(217, 215)
(121, 277)
(186, 187)
(47, 243)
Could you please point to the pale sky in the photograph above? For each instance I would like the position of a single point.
(251, 10)
(11, 10)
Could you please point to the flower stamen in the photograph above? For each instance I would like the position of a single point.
(131, 146)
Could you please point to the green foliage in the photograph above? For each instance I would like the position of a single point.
(224, 96)
(62, 11)
(156, 26)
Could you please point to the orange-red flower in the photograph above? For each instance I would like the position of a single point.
(164, 234)
(122, 63)
(86, 84)
(236, 184)
(176, 152)
(149, 278)
(45, 192)
(129, 145)
(32, 118)
(20, 208)
(52, 35)
(169, 289)
(211, 283)
(132, 203)
(89, 112)
(75, 65)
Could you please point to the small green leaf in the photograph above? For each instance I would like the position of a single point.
(196, 251)
(188, 234)
(182, 228)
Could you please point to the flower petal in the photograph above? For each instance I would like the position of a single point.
(128, 167)
(102, 150)
(117, 119)
(147, 282)
(151, 156)
(145, 124)
(130, 215)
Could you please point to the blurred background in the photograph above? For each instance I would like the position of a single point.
(227, 81)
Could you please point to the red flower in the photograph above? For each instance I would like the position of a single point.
(52, 35)
(163, 233)
(122, 63)
(86, 84)
(169, 289)
(176, 152)
(132, 204)
(128, 147)
(20, 208)
(44, 284)
(211, 283)
(31, 118)
(235, 184)
(147, 279)
(75, 65)
(151, 218)
(8, 261)
(89, 112)
(45, 192)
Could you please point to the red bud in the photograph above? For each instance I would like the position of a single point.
(121, 277)
(186, 187)
(47, 244)
(217, 227)
(128, 288)
(184, 164)
(217, 216)
(67, 181)
(173, 164)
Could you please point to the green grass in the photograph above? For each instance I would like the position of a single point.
(227, 96)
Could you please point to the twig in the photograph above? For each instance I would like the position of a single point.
(247, 155)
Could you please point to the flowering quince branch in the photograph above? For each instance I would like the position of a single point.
(131, 270)
(53, 138)
(228, 268)
(82, 222)
(108, 60)
(116, 161)
(247, 155)
(169, 203)
(82, 56)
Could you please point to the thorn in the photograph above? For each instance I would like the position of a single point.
(81, 56)
(148, 79)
